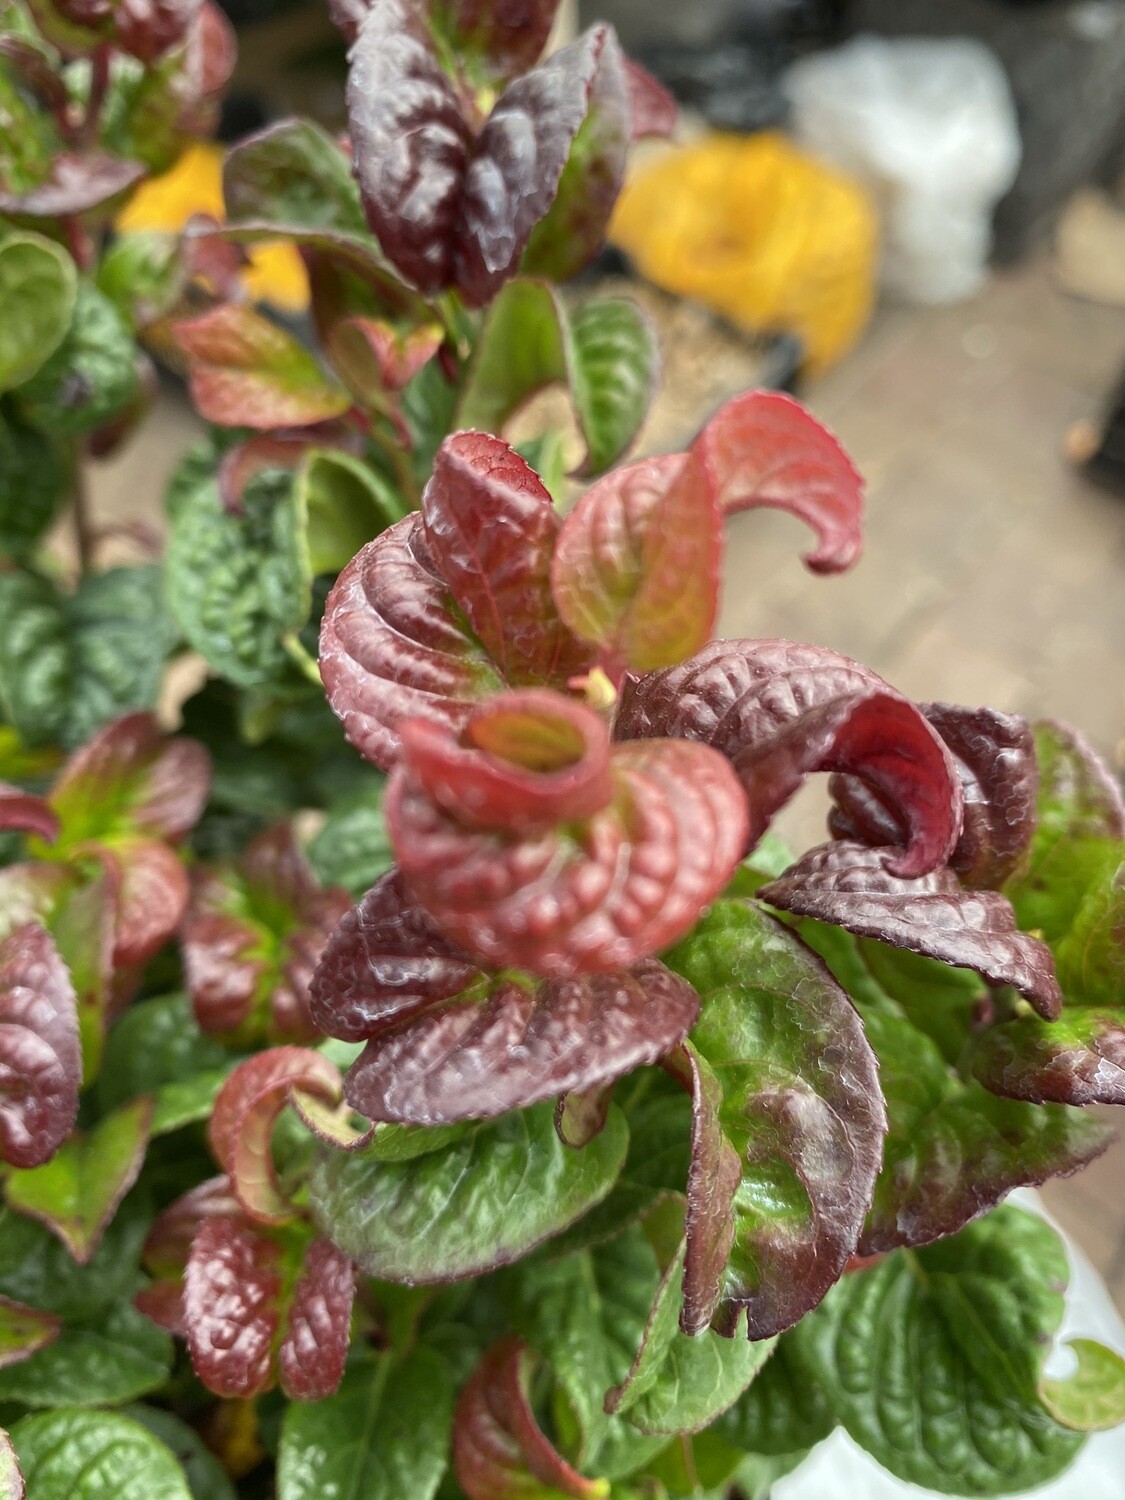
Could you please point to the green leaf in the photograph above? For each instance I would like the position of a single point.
(92, 375)
(206, 1477)
(932, 1358)
(77, 1193)
(143, 275)
(23, 1330)
(36, 475)
(71, 663)
(112, 1359)
(606, 354)
(238, 585)
(346, 503)
(680, 1384)
(295, 174)
(157, 1048)
(35, 1268)
(1092, 1399)
(38, 287)
(1090, 959)
(383, 1436)
(1078, 1059)
(782, 1413)
(789, 1123)
(352, 848)
(935, 998)
(953, 1149)
(482, 1202)
(72, 1454)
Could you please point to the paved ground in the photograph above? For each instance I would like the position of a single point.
(992, 573)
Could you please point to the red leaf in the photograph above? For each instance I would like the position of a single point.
(591, 895)
(653, 109)
(373, 356)
(527, 761)
(23, 1331)
(410, 141)
(764, 448)
(11, 1480)
(391, 646)
(40, 1055)
(994, 755)
(76, 185)
(508, 39)
(23, 812)
(274, 450)
(252, 937)
(232, 1306)
(314, 1348)
(166, 1250)
(780, 711)
(248, 372)
(849, 886)
(499, 1450)
(152, 897)
(147, 28)
(246, 1111)
(636, 568)
(491, 527)
(130, 777)
(517, 160)
(385, 962)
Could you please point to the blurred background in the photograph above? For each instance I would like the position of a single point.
(911, 213)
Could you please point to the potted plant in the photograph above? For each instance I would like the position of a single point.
(426, 1075)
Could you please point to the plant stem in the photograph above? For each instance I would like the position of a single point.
(99, 85)
(80, 514)
(301, 659)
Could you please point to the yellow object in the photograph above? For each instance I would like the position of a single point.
(276, 273)
(759, 231)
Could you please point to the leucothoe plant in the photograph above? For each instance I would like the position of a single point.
(427, 1075)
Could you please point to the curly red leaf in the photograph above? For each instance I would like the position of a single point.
(850, 886)
(314, 1347)
(22, 812)
(653, 110)
(780, 711)
(232, 1306)
(587, 896)
(247, 1109)
(76, 184)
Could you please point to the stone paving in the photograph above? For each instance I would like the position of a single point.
(992, 574)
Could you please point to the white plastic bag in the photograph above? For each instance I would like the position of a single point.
(930, 126)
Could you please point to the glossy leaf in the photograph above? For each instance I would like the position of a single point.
(952, 1150)
(157, 1047)
(248, 1321)
(38, 1270)
(788, 1125)
(636, 569)
(77, 1193)
(253, 935)
(38, 285)
(849, 885)
(353, 848)
(383, 1435)
(40, 1055)
(23, 1331)
(605, 354)
(1077, 1059)
(496, 1042)
(70, 1454)
(480, 1202)
(291, 173)
(782, 1413)
(499, 1450)
(995, 758)
(240, 585)
(1093, 1397)
(102, 1361)
(71, 663)
(247, 1109)
(780, 711)
(764, 448)
(1091, 957)
(246, 371)
(491, 528)
(983, 1306)
(596, 894)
